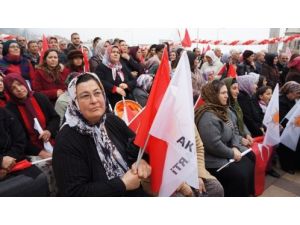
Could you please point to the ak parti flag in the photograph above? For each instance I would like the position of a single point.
(156, 154)
(271, 120)
(174, 124)
(291, 133)
(186, 42)
(45, 47)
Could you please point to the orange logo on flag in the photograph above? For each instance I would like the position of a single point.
(275, 118)
(297, 121)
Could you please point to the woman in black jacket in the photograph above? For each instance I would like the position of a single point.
(116, 80)
(289, 159)
(94, 154)
(28, 182)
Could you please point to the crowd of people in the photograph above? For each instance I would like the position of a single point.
(93, 150)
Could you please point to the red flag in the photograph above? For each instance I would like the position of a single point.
(157, 154)
(24, 164)
(136, 121)
(186, 42)
(231, 71)
(128, 114)
(222, 70)
(86, 61)
(44, 48)
(200, 101)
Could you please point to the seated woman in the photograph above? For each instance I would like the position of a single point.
(117, 81)
(247, 88)
(221, 143)
(289, 93)
(236, 113)
(14, 62)
(143, 87)
(3, 95)
(94, 154)
(29, 182)
(49, 77)
(75, 62)
(27, 105)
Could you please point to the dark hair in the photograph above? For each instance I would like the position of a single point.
(261, 91)
(87, 77)
(153, 46)
(96, 39)
(191, 55)
(175, 62)
(217, 85)
(53, 38)
(261, 81)
(73, 34)
(159, 48)
(54, 74)
(121, 41)
(31, 42)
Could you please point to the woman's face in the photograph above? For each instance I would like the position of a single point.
(139, 54)
(254, 88)
(275, 61)
(115, 55)
(1, 84)
(251, 58)
(19, 90)
(208, 59)
(223, 95)
(52, 59)
(14, 49)
(53, 44)
(91, 101)
(172, 56)
(266, 97)
(293, 96)
(265, 82)
(77, 61)
(234, 90)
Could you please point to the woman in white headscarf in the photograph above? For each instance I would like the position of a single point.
(212, 66)
(94, 154)
(116, 79)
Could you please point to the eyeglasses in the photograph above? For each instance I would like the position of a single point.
(14, 46)
(87, 96)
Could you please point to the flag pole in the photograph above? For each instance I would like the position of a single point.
(141, 151)
(40, 161)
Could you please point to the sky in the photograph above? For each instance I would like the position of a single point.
(135, 36)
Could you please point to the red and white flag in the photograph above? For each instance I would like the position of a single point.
(174, 124)
(156, 154)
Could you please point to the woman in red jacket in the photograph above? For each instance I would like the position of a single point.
(50, 77)
(14, 62)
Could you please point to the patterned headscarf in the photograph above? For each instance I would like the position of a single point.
(247, 82)
(112, 160)
(115, 67)
(100, 49)
(210, 93)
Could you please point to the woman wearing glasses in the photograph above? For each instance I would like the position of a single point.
(94, 154)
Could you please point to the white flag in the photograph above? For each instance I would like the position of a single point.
(174, 123)
(291, 133)
(289, 115)
(47, 145)
(271, 120)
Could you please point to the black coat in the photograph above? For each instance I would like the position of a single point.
(283, 71)
(252, 115)
(77, 165)
(245, 68)
(52, 120)
(132, 65)
(285, 105)
(105, 75)
(12, 136)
